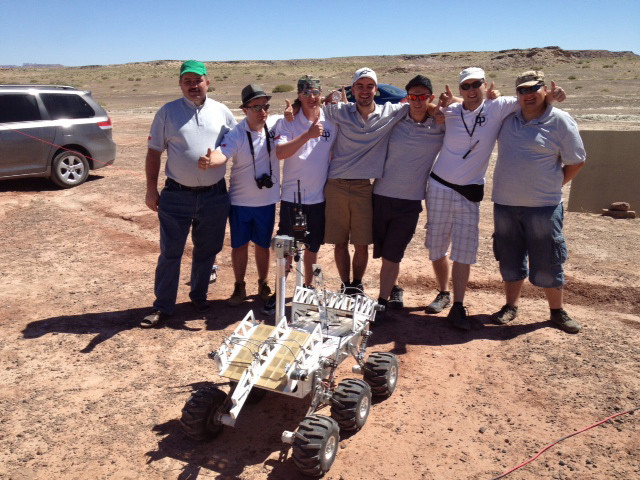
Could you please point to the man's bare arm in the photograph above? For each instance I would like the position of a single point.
(570, 172)
(286, 150)
(152, 170)
(213, 158)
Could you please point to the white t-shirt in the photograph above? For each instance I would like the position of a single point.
(310, 163)
(186, 131)
(474, 132)
(243, 190)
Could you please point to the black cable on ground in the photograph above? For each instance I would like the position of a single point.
(562, 439)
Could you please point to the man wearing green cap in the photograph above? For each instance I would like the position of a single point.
(192, 198)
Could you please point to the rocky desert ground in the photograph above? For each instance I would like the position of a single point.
(85, 393)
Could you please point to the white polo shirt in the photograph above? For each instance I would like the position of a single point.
(473, 131)
(243, 190)
(186, 131)
(531, 155)
(310, 163)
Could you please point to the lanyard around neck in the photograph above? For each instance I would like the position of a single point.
(475, 123)
(253, 155)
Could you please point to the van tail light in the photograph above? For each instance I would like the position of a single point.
(106, 124)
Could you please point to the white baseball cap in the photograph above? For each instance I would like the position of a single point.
(473, 73)
(365, 73)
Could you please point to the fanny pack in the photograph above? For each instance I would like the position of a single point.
(473, 192)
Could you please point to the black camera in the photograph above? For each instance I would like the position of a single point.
(264, 181)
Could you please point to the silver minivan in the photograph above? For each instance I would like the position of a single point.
(53, 131)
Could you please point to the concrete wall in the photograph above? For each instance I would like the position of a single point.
(611, 173)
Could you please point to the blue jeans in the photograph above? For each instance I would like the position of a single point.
(205, 212)
(534, 233)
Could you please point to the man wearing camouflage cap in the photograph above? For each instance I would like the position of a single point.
(539, 151)
(305, 146)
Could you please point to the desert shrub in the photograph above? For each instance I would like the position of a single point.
(571, 77)
(211, 88)
(282, 88)
(492, 75)
(578, 87)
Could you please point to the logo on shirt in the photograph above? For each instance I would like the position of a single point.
(326, 135)
(481, 119)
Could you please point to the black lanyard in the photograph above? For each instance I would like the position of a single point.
(475, 123)
(253, 155)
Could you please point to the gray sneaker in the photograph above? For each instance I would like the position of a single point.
(395, 301)
(442, 301)
(239, 294)
(506, 314)
(458, 317)
(564, 321)
(264, 292)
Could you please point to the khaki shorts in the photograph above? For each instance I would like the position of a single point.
(349, 211)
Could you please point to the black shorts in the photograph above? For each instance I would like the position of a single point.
(394, 223)
(315, 223)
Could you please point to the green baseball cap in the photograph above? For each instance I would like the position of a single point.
(193, 66)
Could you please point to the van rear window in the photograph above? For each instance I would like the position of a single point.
(66, 106)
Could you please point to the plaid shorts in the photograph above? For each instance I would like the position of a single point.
(452, 220)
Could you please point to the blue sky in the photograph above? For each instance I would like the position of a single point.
(89, 32)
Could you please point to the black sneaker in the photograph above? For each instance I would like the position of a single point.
(506, 314)
(395, 301)
(269, 307)
(458, 317)
(564, 321)
(201, 306)
(356, 288)
(442, 301)
(156, 319)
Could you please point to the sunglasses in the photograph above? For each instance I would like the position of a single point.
(525, 90)
(419, 98)
(257, 108)
(311, 93)
(468, 86)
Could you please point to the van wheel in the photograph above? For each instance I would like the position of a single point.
(69, 169)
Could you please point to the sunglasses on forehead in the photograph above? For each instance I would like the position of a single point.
(468, 86)
(525, 90)
(311, 92)
(257, 108)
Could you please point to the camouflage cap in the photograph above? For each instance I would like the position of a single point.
(530, 78)
(308, 82)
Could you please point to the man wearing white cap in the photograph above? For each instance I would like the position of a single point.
(359, 152)
(456, 186)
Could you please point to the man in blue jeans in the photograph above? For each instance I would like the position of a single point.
(539, 151)
(192, 198)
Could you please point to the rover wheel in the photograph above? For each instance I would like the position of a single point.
(350, 404)
(315, 445)
(381, 373)
(69, 169)
(197, 419)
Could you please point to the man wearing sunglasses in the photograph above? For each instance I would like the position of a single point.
(191, 199)
(539, 151)
(254, 189)
(397, 196)
(305, 146)
(456, 185)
